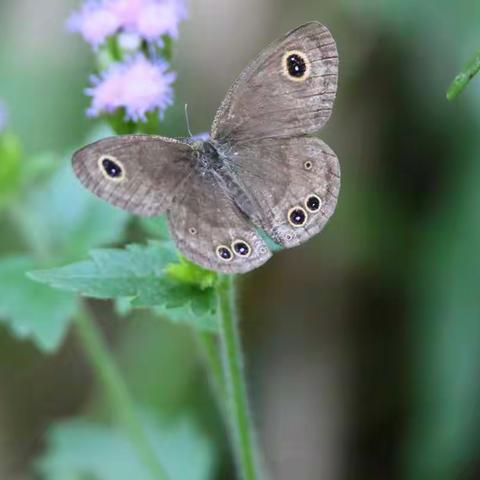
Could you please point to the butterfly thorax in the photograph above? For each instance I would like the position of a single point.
(206, 157)
(213, 163)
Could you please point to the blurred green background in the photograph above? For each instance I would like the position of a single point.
(362, 346)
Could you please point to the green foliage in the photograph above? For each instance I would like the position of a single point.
(10, 167)
(149, 276)
(58, 220)
(30, 309)
(200, 313)
(463, 78)
(167, 49)
(445, 327)
(135, 271)
(82, 449)
(119, 125)
(191, 274)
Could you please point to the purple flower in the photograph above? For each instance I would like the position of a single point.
(160, 18)
(150, 19)
(138, 85)
(95, 22)
(3, 116)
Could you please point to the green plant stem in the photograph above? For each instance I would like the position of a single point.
(209, 347)
(242, 433)
(116, 390)
(463, 78)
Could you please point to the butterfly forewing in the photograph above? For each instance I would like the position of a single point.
(288, 90)
(139, 173)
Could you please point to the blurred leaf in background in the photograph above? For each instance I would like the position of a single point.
(59, 221)
(79, 448)
(32, 310)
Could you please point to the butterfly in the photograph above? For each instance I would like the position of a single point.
(260, 172)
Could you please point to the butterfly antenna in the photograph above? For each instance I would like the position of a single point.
(188, 121)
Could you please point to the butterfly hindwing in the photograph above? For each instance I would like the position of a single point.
(139, 173)
(294, 185)
(210, 230)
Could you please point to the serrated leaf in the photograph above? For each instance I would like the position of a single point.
(206, 321)
(185, 315)
(82, 448)
(203, 319)
(30, 309)
(137, 272)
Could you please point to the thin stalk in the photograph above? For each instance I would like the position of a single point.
(208, 344)
(463, 78)
(241, 427)
(116, 390)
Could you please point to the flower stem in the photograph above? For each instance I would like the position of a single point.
(116, 390)
(208, 345)
(463, 78)
(242, 433)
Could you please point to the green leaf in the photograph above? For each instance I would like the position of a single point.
(192, 274)
(30, 309)
(206, 321)
(464, 77)
(186, 314)
(10, 167)
(119, 124)
(136, 271)
(167, 49)
(139, 273)
(83, 449)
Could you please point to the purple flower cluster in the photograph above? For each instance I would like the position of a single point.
(141, 82)
(138, 85)
(149, 19)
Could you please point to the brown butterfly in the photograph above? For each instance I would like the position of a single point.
(259, 170)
